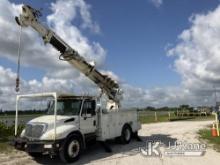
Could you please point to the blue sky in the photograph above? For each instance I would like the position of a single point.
(132, 46)
(135, 35)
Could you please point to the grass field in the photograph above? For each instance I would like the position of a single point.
(149, 117)
(205, 134)
(6, 136)
(22, 116)
(22, 119)
(5, 147)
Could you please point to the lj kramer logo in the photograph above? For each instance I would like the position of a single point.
(179, 148)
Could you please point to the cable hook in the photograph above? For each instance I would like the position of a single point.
(17, 88)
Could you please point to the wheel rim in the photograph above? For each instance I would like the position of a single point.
(127, 134)
(73, 149)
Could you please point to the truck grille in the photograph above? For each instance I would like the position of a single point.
(34, 130)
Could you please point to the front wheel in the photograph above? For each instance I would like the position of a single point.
(71, 149)
(126, 134)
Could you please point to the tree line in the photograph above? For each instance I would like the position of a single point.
(166, 108)
(23, 112)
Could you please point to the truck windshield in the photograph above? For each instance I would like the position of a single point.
(66, 107)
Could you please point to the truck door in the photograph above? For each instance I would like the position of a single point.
(88, 117)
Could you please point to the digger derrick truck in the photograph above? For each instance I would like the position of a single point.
(72, 121)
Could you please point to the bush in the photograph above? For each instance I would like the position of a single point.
(8, 131)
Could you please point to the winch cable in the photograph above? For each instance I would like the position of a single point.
(18, 62)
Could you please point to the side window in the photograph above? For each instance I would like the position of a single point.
(88, 108)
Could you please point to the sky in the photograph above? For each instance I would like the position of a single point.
(162, 52)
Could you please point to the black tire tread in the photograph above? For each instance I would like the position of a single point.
(62, 153)
(122, 138)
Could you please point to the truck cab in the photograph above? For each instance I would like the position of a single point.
(65, 115)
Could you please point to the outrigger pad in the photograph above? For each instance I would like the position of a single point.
(106, 146)
(135, 135)
(138, 139)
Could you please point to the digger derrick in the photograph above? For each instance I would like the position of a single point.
(29, 17)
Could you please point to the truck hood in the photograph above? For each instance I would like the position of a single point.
(49, 119)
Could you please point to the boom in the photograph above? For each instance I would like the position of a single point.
(29, 17)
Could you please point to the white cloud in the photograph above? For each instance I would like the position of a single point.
(80, 85)
(59, 75)
(197, 54)
(34, 53)
(133, 96)
(158, 97)
(156, 3)
(196, 58)
(67, 11)
(6, 82)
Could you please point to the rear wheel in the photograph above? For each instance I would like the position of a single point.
(126, 134)
(71, 149)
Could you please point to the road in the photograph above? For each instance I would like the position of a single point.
(130, 154)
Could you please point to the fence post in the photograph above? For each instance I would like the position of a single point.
(155, 116)
(6, 123)
(169, 115)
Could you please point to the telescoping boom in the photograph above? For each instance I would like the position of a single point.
(29, 17)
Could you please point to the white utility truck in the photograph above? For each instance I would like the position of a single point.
(71, 121)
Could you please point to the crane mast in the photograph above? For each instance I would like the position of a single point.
(29, 17)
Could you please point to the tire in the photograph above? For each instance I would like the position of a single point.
(126, 134)
(71, 149)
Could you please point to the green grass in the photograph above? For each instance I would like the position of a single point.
(5, 147)
(205, 134)
(6, 135)
(162, 117)
(202, 118)
(151, 119)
